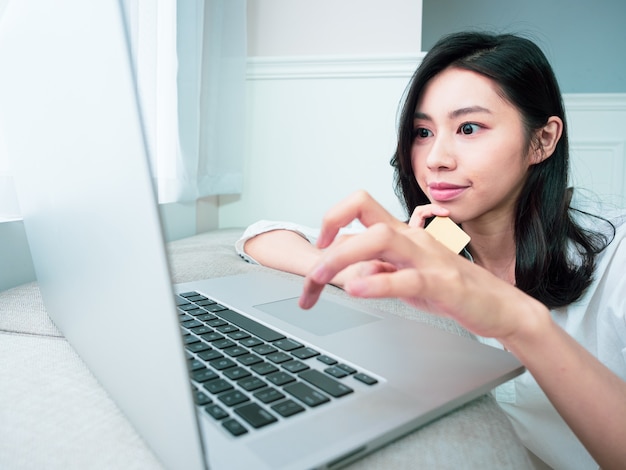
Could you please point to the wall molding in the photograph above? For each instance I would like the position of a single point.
(599, 163)
(335, 67)
(595, 101)
(389, 66)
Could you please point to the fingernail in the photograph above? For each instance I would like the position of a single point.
(356, 287)
(318, 274)
(303, 302)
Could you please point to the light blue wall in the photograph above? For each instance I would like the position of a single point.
(584, 40)
(16, 266)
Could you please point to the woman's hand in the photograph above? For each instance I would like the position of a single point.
(421, 213)
(393, 259)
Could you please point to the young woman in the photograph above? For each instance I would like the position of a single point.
(483, 140)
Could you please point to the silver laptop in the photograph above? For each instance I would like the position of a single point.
(219, 373)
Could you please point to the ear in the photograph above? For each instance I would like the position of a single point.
(546, 138)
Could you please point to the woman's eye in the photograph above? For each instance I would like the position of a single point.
(469, 128)
(422, 133)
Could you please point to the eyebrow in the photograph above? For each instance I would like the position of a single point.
(454, 114)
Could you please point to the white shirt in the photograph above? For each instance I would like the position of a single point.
(262, 226)
(597, 321)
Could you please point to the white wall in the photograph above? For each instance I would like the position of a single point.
(325, 79)
(329, 27)
(598, 144)
(317, 130)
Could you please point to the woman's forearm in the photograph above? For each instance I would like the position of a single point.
(284, 250)
(589, 397)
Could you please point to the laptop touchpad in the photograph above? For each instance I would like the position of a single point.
(324, 318)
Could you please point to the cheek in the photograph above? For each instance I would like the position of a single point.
(419, 155)
(418, 165)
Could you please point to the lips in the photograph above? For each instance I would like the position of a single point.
(442, 192)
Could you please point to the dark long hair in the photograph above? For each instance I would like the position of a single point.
(545, 267)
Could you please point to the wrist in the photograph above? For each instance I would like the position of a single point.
(534, 322)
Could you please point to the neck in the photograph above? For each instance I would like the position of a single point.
(493, 248)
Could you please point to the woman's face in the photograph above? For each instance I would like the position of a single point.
(469, 151)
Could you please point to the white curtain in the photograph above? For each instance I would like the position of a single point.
(190, 58)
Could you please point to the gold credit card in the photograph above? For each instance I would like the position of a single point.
(447, 232)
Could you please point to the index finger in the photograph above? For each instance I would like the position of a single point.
(379, 241)
(359, 205)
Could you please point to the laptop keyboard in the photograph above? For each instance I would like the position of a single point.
(248, 376)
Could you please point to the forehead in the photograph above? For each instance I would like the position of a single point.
(456, 88)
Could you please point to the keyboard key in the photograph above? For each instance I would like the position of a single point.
(264, 368)
(325, 383)
(187, 306)
(227, 329)
(217, 386)
(268, 395)
(213, 336)
(239, 335)
(278, 357)
(287, 344)
(188, 294)
(249, 359)
(294, 366)
(204, 375)
(249, 325)
(336, 372)
(206, 317)
(189, 339)
(215, 308)
(236, 351)
(234, 427)
(287, 408)
(264, 349)
(329, 361)
(232, 398)
(216, 411)
(223, 343)
(280, 378)
(255, 415)
(236, 373)
(251, 383)
(201, 398)
(197, 347)
(195, 364)
(305, 353)
(347, 368)
(306, 394)
(204, 303)
(250, 342)
(201, 330)
(221, 364)
(210, 355)
(366, 379)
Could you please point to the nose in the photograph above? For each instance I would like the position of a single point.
(441, 155)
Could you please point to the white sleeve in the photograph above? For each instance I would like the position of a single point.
(263, 226)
